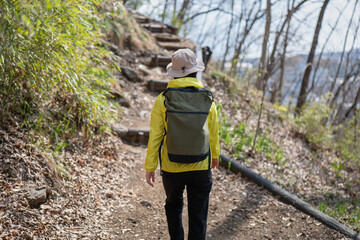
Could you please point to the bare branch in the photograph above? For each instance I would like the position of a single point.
(343, 51)
(200, 13)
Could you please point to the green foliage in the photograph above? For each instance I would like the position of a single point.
(320, 133)
(221, 76)
(270, 149)
(123, 30)
(338, 166)
(282, 110)
(229, 82)
(240, 138)
(176, 22)
(52, 71)
(347, 210)
(313, 122)
(348, 140)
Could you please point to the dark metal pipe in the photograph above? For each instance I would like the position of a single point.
(287, 197)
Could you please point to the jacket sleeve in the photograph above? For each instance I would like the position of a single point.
(214, 132)
(157, 127)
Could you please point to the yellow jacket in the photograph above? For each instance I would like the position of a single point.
(157, 126)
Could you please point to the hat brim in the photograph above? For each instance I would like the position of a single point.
(181, 73)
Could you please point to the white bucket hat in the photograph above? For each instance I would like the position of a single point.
(184, 62)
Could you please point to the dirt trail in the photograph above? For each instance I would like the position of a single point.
(106, 197)
(103, 194)
(238, 208)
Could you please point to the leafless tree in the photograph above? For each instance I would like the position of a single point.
(174, 10)
(261, 72)
(208, 35)
(228, 36)
(272, 61)
(164, 11)
(354, 74)
(304, 85)
(261, 66)
(312, 86)
(352, 108)
(343, 51)
(250, 21)
(346, 76)
(200, 13)
(184, 8)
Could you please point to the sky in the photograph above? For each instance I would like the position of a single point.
(301, 45)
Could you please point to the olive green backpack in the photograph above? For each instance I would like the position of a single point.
(187, 136)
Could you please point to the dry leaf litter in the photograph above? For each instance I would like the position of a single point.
(98, 190)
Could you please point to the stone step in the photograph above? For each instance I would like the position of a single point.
(141, 19)
(173, 46)
(159, 28)
(160, 61)
(154, 28)
(153, 25)
(133, 136)
(157, 86)
(166, 37)
(173, 30)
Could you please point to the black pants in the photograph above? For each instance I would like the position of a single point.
(198, 186)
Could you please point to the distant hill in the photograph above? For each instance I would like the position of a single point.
(322, 75)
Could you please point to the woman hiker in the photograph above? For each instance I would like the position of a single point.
(184, 135)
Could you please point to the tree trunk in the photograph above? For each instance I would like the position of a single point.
(272, 60)
(261, 67)
(346, 75)
(333, 28)
(164, 11)
(277, 94)
(228, 37)
(249, 23)
(260, 80)
(343, 51)
(185, 6)
(304, 85)
(353, 106)
(336, 113)
(282, 64)
(174, 9)
(355, 125)
(237, 51)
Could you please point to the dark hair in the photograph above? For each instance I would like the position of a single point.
(193, 75)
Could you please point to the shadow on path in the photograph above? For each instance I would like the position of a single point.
(238, 216)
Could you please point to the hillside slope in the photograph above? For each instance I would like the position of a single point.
(96, 185)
